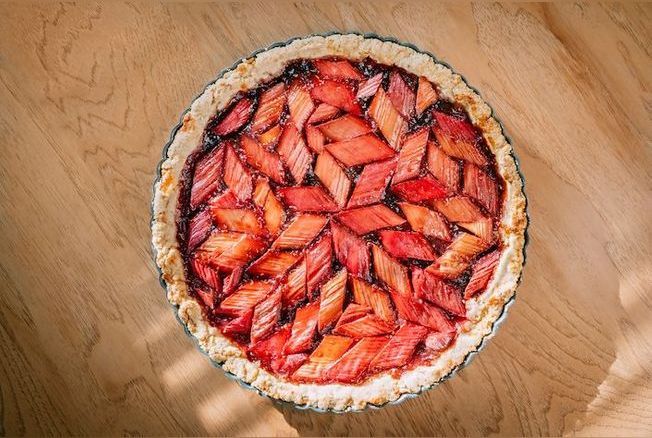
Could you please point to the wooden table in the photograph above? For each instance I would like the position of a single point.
(88, 96)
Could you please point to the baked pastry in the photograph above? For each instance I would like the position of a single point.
(340, 221)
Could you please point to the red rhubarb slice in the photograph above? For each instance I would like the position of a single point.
(237, 219)
(421, 189)
(369, 295)
(231, 281)
(482, 273)
(400, 94)
(236, 176)
(425, 221)
(426, 95)
(270, 137)
(272, 347)
(207, 274)
(360, 150)
(236, 118)
(308, 198)
(294, 152)
(422, 313)
(315, 139)
(245, 298)
(266, 315)
(351, 251)
(333, 178)
(226, 249)
(345, 128)
(261, 159)
(294, 289)
(340, 69)
(199, 227)
(455, 260)
(355, 362)
(480, 186)
(300, 105)
(387, 118)
(364, 220)
(303, 329)
(369, 87)
(337, 94)
(224, 200)
(270, 107)
(318, 262)
(459, 209)
(406, 245)
(273, 263)
(457, 138)
(368, 325)
(411, 156)
(352, 312)
(207, 177)
(391, 272)
(329, 350)
(438, 292)
(323, 112)
(483, 228)
(331, 299)
(400, 348)
(301, 231)
(207, 296)
(273, 211)
(372, 183)
(443, 167)
(240, 325)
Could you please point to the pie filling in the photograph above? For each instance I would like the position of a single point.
(336, 219)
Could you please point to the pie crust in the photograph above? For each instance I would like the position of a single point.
(483, 310)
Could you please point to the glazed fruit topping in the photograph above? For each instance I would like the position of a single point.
(337, 220)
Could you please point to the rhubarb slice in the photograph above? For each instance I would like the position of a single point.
(318, 263)
(351, 251)
(208, 275)
(426, 95)
(294, 289)
(300, 105)
(266, 315)
(421, 189)
(340, 69)
(406, 245)
(294, 152)
(308, 198)
(199, 227)
(329, 350)
(236, 176)
(245, 298)
(369, 87)
(333, 178)
(273, 211)
(270, 107)
(345, 128)
(400, 94)
(207, 177)
(457, 138)
(337, 94)
(302, 230)
(455, 260)
(391, 272)
(355, 362)
(263, 160)
(426, 221)
(304, 328)
(364, 220)
(273, 263)
(237, 219)
(236, 118)
(323, 112)
(482, 273)
(459, 209)
(360, 150)
(372, 183)
(369, 295)
(387, 118)
(422, 313)
(411, 156)
(400, 348)
(315, 139)
(438, 292)
(270, 137)
(227, 250)
(331, 299)
(443, 167)
(480, 186)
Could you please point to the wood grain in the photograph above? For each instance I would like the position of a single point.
(88, 95)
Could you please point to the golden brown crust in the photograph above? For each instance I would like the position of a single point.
(482, 311)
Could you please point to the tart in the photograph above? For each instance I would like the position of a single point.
(340, 221)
